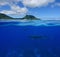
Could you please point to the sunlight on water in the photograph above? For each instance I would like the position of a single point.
(31, 23)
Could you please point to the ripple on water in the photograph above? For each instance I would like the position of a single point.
(33, 23)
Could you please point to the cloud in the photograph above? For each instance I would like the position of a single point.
(8, 2)
(14, 8)
(29, 3)
(55, 4)
(8, 12)
(3, 3)
(37, 3)
(19, 9)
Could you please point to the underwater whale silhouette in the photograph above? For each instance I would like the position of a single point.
(37, 37)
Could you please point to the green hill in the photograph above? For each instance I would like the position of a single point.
(3, 16)
(30, 17)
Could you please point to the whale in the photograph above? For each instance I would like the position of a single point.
(38, 37)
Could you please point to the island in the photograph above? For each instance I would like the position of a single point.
(27, 17)
(4, 16)
(30, 17)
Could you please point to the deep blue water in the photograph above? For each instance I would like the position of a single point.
(16, 41)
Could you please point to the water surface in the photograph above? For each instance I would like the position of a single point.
(16, 39)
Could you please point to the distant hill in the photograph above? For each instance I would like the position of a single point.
(3, 16)
(30, 17)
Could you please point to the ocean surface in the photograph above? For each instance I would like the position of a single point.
(36, 38)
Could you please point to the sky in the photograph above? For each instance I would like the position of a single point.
(45, 9)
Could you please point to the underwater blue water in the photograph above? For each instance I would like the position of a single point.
(16, 39)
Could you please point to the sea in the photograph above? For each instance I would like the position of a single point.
(30, 38)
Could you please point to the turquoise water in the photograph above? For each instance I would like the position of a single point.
(31, 22)
(36, 38)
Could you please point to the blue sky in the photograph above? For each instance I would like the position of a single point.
(39, 8)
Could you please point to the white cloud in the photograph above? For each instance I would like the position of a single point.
(19, 9)
(36, 3)
(8, 12)
(29, 3)
(14, 8)
(3, 3)
(55, 4)
(9, 2)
